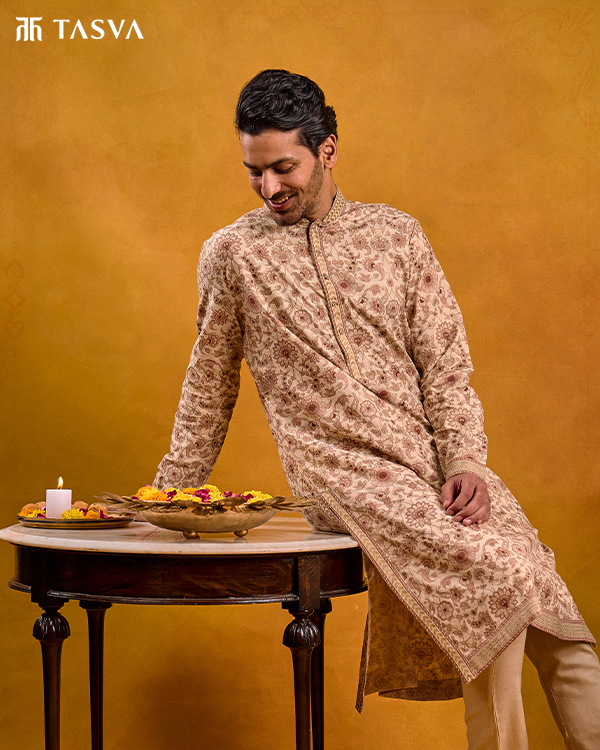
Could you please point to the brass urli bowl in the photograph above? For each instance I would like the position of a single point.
(231, 514)
(218, 523)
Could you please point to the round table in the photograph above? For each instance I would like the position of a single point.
(282, 561)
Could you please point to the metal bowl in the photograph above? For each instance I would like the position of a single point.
(191, 524)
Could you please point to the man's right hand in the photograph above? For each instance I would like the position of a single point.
(465, 496)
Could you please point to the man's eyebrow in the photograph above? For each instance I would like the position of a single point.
(273, 164)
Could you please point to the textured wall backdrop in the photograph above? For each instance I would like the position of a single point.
(118, 158)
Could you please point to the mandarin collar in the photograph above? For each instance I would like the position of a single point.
(334, 213)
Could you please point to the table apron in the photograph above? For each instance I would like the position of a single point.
(187, 579)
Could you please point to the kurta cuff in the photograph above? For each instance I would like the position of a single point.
(460, 466)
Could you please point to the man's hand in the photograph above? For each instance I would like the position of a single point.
(465, 497)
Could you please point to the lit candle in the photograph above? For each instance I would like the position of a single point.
(57, 501)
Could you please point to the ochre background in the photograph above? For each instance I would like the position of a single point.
(118, 158)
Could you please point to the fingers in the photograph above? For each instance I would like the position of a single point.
(449, 492)
(466, 498)
(476, 511)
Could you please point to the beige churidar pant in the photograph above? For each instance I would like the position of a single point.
(570, 675)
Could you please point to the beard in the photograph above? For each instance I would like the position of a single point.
(303, 202)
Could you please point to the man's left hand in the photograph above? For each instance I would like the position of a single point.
(465, 496)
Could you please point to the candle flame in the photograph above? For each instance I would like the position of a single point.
(60, 483)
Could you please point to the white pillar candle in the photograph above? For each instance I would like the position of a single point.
(57, 501)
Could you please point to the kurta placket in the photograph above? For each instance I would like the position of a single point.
(332, 297)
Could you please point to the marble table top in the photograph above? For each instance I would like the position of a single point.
(280, 534)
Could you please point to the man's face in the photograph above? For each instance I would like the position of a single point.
(292, 182)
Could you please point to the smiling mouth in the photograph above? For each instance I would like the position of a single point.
(280, 204)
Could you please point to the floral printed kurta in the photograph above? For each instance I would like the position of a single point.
(359, 354)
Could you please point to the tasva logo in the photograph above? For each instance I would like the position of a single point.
(30, 31)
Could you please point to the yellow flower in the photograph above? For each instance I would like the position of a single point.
(215, 492)
(33, 513)
(174, 494)
(72, 513)
(208, 493)
(257, 496)
(151, 494)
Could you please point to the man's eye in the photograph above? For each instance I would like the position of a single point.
(255, 174)
(282, 170)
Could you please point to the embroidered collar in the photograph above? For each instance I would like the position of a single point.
(334, 213)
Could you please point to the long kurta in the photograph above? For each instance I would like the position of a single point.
(360, 357)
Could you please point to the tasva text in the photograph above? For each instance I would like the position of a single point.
(30, 31)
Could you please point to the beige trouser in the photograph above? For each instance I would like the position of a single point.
(570, 675)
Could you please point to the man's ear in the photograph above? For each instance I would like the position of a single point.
(328, 151)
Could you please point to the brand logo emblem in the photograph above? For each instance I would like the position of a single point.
(30, 31)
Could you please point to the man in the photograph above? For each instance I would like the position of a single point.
(357, 347)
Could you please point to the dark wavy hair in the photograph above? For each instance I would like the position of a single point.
(280, 100)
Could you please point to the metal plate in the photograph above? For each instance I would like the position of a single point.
(114, 522)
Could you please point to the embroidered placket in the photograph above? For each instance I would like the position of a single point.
(333, 302)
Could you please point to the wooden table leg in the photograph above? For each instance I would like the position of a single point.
(301, 636)
(317, 677)
(95, 614)
(51, 629)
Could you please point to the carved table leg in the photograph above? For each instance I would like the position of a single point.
(301, 636)
(317, 670)
(95, 614)
(51, 629)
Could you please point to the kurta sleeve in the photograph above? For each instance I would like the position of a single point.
(212, 379)
(441, 355)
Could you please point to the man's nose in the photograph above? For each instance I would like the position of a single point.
(270, 185)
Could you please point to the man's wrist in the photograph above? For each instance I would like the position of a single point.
(465, 465)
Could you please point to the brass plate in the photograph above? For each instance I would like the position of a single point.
(116, 520)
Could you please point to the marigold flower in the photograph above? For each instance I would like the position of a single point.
(255, 496)
(151, 494)
(72, 513)
(214, 492)
(32, 512)
(208, 493)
